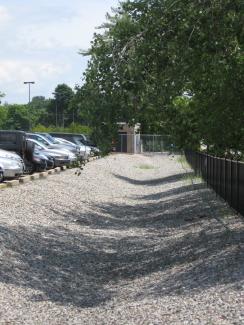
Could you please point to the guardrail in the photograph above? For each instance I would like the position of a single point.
(224, 176)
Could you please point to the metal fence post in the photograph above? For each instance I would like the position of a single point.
(207, 171)
(237, 185)
(225, 179)
(214, 174)
(231, 185)
(211, 171)
(220, 173)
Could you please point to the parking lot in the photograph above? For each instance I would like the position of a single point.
(134, 239)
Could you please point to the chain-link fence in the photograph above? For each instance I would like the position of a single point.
(143, 143)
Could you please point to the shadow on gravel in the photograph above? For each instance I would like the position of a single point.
(172, 192)
(168, 213)
(156, 181)
(65, 268)
(83, 265)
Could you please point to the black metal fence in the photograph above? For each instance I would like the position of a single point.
(225, 176)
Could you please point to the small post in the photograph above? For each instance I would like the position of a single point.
(121, 142)
(237, 185)
(225, 179)
(231, 184)
(207, 171)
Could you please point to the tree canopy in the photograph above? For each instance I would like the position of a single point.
(174, 66)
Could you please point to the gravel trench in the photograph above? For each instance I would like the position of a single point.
(132, 240)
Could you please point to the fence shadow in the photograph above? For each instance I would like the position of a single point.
(66, 268)
(157, 181)
(84, 263)
(166, 210)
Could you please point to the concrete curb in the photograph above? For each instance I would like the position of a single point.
(12, 183)
(40, 175)
(3, 185)
(34, 176)
(43, 174)
(25, 179)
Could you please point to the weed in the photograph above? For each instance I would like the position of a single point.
(145, 166)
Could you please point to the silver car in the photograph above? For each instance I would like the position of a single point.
(11, 155)
(85, 151)
(10, 168)
(61, 157)
(50, 143)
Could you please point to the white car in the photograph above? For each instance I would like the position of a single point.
(85, 151)
(11, 155)
(10, 168)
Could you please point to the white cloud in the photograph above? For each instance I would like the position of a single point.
(73, 32)
(40, 41)
(14, 70)
(13, 73)
(5, 16)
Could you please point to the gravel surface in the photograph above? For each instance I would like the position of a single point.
(132, 240)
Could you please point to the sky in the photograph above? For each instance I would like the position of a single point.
(40, 41)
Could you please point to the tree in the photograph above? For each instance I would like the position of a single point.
(153, 54)
(40, 111)
(63, 95)
(17, 117)
(1, 96)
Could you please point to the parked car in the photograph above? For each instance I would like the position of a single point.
(10, 168)
(84, 150)
(15, 142)
(78, 139)
(10, 154)
(44, 161)
(61, 157)
(1, 173)
(50, 143)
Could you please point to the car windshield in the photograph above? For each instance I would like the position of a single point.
(61, 140)
(79, 140)
(38, 145)
(49, 137)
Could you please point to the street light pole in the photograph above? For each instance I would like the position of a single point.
(29, 83)
(56, 106)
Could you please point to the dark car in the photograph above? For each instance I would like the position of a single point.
(42, 162)
(72, 137)
(16, 141)
(1, 174)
